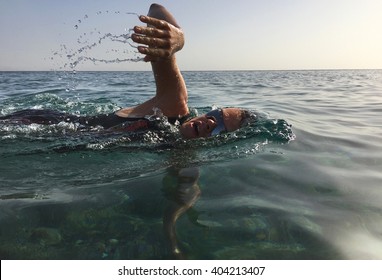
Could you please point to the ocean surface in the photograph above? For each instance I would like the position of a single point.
(304, 182)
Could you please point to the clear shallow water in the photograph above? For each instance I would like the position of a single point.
(249, 195)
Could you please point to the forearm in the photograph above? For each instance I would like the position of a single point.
(169, 80)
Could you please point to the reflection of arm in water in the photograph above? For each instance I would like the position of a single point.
(163, 38)
(185, 193)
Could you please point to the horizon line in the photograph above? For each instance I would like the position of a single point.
(212, 70)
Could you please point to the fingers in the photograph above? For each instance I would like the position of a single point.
(161, 24)
(161, 39)
(151, 36)
(150, 41)
(152, 32)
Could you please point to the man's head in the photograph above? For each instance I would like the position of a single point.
(213, 123)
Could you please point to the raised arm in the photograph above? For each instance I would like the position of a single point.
(161, 39)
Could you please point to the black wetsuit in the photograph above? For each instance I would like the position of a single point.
(107, 121)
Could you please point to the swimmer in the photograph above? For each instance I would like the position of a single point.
(159, 41)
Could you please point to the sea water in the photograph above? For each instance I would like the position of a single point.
(302, 183)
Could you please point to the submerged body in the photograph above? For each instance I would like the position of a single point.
(105, 121)
(209, 124)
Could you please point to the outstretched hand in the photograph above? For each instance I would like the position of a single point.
(161, 38)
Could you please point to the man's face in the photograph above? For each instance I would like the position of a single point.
(201, 126)
(212, 123)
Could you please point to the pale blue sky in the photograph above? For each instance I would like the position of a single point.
(220, 35)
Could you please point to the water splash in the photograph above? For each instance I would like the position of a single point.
(102, 40)
(79, 56)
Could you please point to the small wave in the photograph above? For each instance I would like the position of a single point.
(22, 131)
(53, 91)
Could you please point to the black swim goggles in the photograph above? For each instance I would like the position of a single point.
(218, 117)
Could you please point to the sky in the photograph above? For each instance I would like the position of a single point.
(220, 35)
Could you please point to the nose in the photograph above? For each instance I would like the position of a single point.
(210, 125)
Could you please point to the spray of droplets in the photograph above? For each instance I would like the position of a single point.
(98, 39)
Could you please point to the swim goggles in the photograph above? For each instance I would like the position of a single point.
(218, 116)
